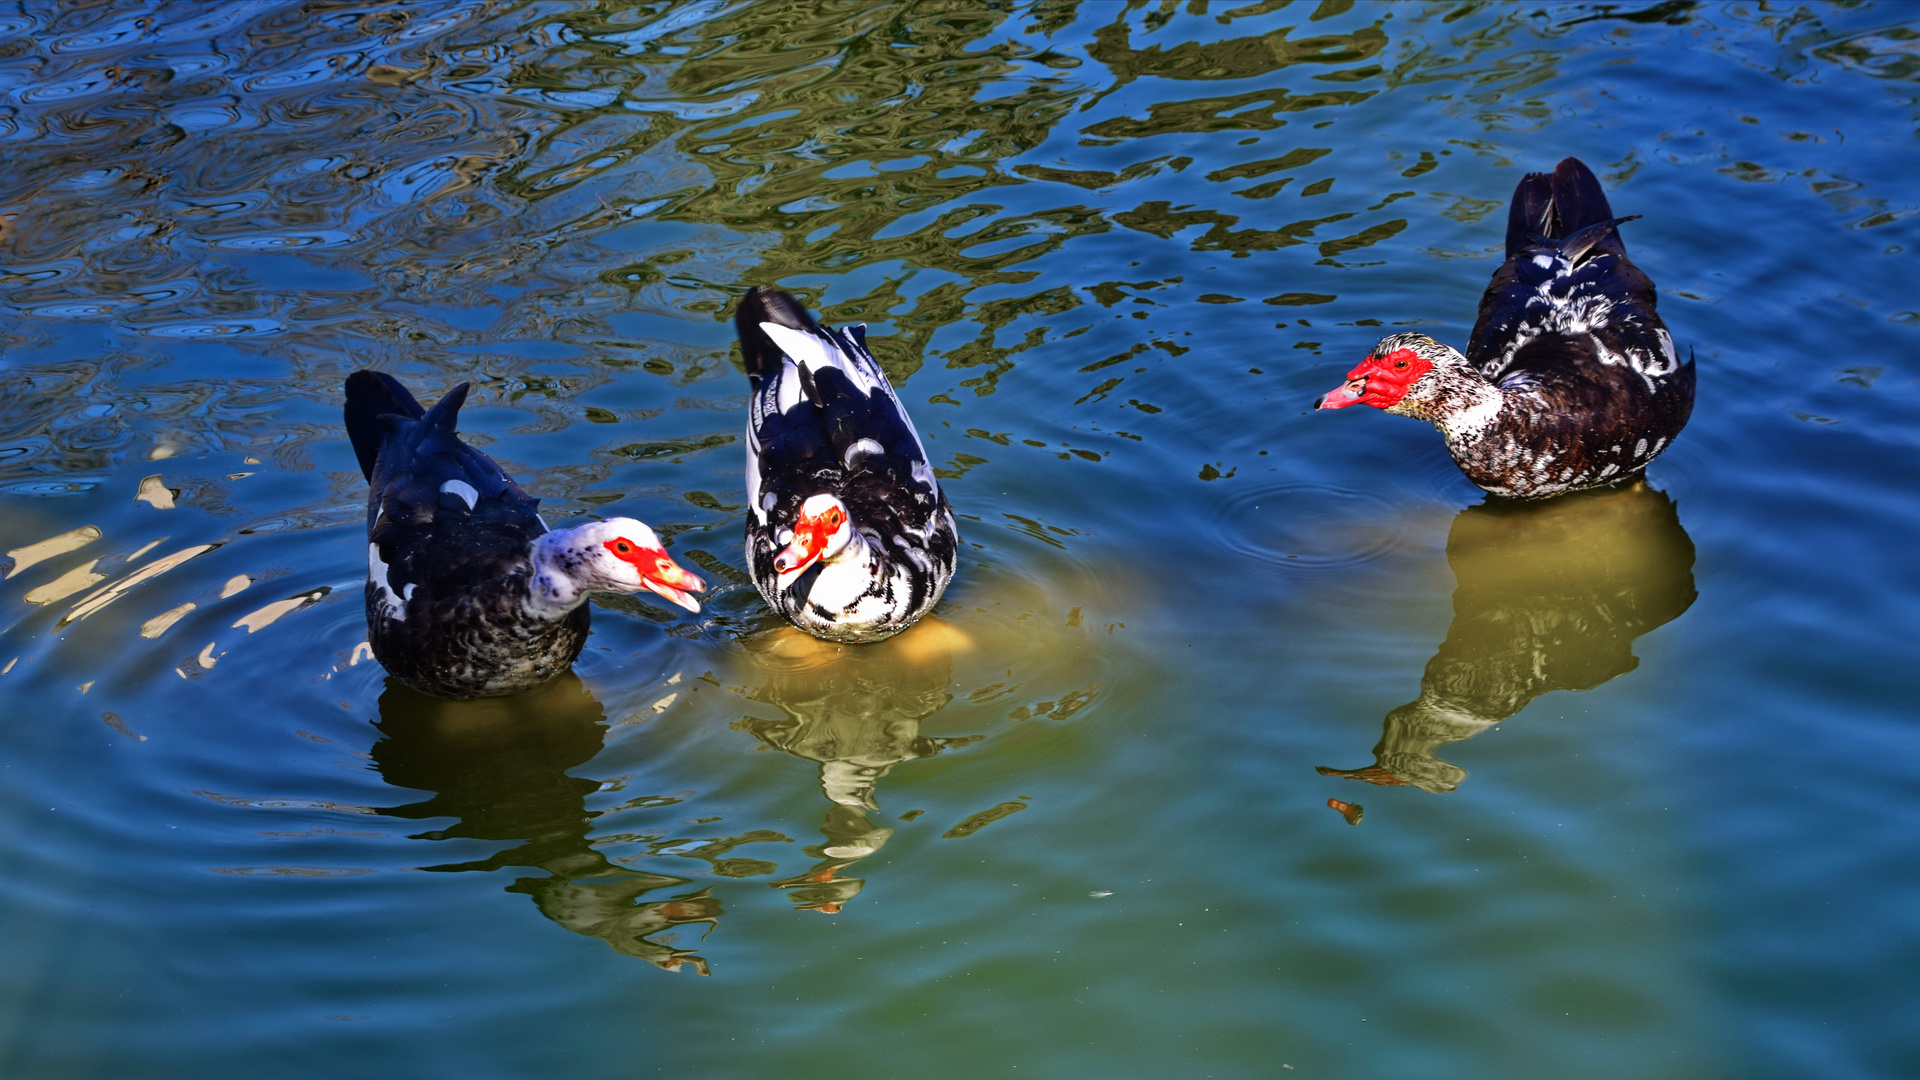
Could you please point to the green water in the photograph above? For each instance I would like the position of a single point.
(1643, 798)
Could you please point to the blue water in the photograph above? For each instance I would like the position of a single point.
(1656, 806)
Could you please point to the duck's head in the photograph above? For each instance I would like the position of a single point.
(616, 555)
(821, 532)
(1402, 374)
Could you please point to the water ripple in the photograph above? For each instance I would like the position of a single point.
(1309, 526)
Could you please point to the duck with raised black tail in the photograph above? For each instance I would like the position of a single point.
(849, 536)
(469, 594)
(1570, 379)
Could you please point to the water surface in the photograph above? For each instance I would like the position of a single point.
(1634, 768)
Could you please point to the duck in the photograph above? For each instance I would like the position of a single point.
(1570, 378)
(469, 593)
(848, 535)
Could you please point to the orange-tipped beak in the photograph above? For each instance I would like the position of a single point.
(802, 553)
(672, 582)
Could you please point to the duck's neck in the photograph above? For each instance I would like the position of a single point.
(552, 591)
(857, 554)
(846, 575)
(1465, 406)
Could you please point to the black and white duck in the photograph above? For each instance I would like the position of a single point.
(848, 534)
(1570, 379)
(469, 594)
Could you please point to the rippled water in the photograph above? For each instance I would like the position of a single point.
(1643, 798)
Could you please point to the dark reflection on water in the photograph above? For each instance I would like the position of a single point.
(857, 711)
(498, 767)
(1551, 596)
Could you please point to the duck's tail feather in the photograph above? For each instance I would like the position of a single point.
(1601, 235)
(764, 305)
(1554, 206)
(372, 396)
(439, 424)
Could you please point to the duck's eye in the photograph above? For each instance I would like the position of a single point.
(1399, 365)
(623, 547)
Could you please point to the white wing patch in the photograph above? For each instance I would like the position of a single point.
(1637, 360)
(861, 448)
(815, 353)
(1672, 360)
(788, 391)
(760, 506)
(464, 490)
(923, 473)
(377, 576)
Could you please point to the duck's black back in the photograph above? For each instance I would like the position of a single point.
(810, 451)
(1567, 277)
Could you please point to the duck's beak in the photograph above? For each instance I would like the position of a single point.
(797, 556)
(1348, 394)
(673, 583)
(810, 536)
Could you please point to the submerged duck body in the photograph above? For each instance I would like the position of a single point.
(849, 536)
(1570, 379)
(469, 594)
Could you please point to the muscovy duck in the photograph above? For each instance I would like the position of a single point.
(468, 593)
(848, 534)
(1570, 379)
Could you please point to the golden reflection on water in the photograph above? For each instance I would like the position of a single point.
(1551, 596)
(855, 709)
(498, 766)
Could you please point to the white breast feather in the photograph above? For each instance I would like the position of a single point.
(1475, 419)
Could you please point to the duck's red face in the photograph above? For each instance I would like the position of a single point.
(1379, 381)
(815, 534)
(658, 572)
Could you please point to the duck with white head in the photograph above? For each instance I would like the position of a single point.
(469, 594)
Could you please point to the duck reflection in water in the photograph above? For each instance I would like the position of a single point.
(499, 767)
(855, 709)
(1550, 596)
